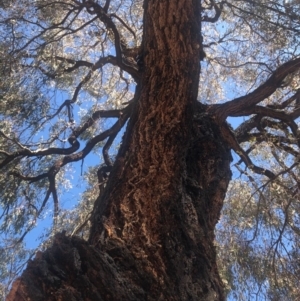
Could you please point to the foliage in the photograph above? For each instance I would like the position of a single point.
(69, 70)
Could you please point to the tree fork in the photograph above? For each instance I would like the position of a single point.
(152, 235)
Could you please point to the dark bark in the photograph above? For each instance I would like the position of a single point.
(152, 235)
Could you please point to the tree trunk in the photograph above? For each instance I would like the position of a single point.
(152, 235)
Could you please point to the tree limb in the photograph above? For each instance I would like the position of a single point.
(218, 10)
(235, 106)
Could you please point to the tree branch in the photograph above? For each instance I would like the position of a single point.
(95, 8)
(232, 142)
(99, 64)
(235, 106)
(218, 10)
(72, 140)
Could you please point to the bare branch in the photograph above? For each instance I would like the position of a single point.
(124, 24)
(106, 149)
(99, 64)
(232, 142)
(52, 189)
(233, 107)
(95, 8)
(259, 137)
(287, 102)
(218, 10)
(72, 140)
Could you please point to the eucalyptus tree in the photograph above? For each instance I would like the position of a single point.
(169, 77)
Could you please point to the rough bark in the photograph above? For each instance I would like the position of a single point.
(152, 235)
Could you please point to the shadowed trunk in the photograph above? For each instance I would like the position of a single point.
(152, 235)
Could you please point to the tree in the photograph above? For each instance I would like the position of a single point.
(152, 227)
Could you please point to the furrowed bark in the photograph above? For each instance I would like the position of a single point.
(152, 235)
